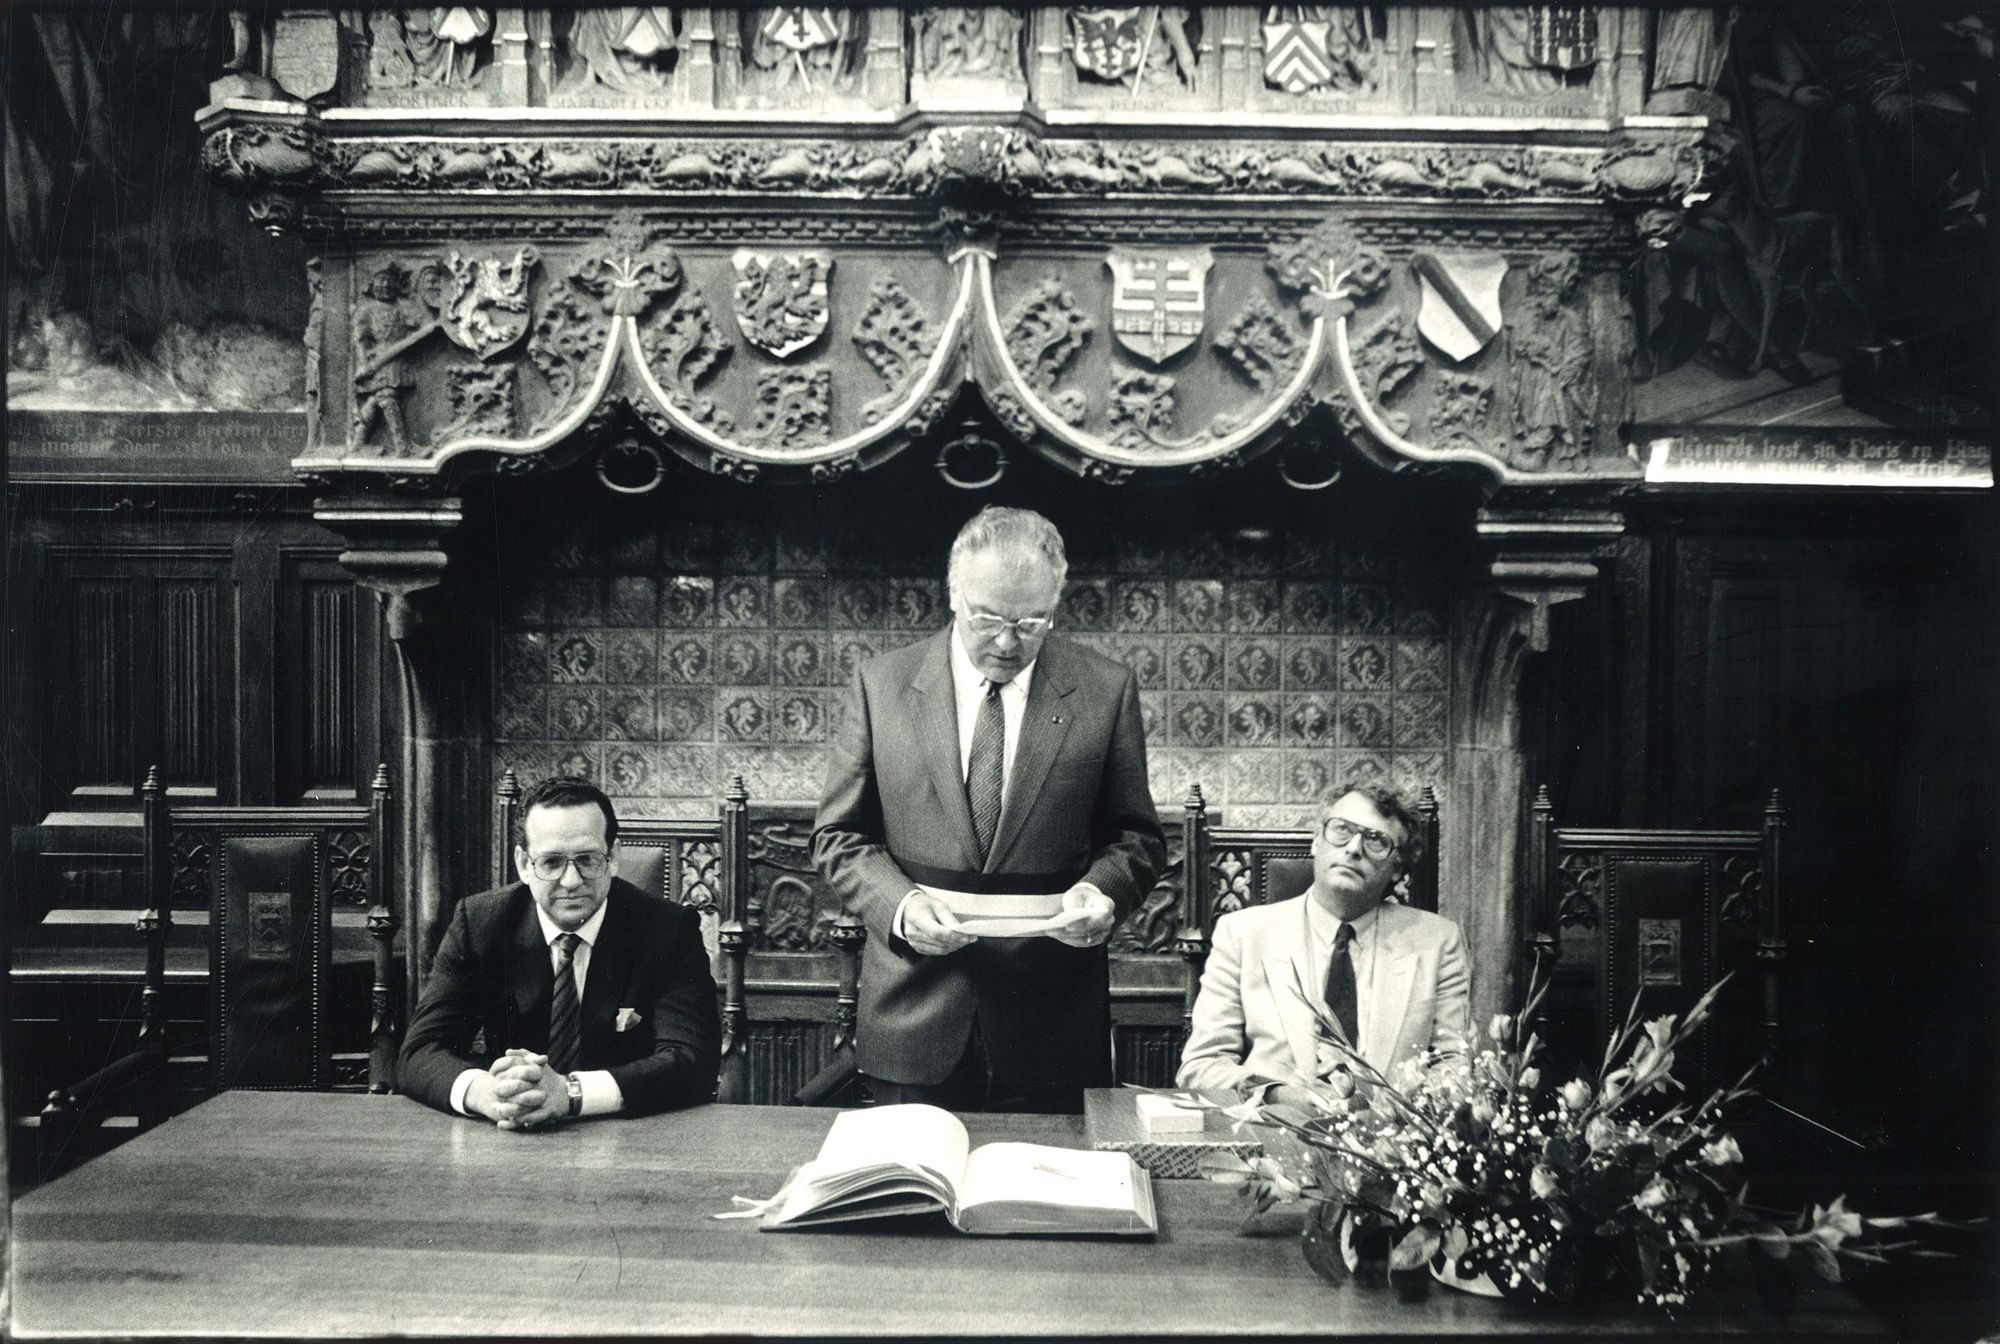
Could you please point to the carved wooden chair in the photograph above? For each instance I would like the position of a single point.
(279, 888)
(1612, 912)
(1227, 868)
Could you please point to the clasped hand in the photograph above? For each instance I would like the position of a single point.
(519, 1091)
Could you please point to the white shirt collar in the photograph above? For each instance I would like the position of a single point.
(552, 931)
(1326, 925)
(968, 680)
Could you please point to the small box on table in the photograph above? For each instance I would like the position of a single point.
(1112, 1122)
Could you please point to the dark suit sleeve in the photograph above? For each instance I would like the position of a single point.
(438, 1046)
(1128, 849)
(687, 1030)
(847, 843)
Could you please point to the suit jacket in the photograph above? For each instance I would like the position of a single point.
(492, 973)
(1077, 805)
(1250, 1026)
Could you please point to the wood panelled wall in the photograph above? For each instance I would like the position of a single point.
(1846, 654)
(211, 632)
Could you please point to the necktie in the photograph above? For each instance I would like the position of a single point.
(1341, 999)
(565, 1022)
(984, 774)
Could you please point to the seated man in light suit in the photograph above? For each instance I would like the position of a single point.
(1392, 977)
(594, 997)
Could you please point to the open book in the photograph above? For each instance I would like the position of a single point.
(891, 1160)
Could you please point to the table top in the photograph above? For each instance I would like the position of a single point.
(320, 1214)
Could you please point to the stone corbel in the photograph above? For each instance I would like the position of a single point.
(1540, 557)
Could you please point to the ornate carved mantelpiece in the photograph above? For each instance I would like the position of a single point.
(1154, 251)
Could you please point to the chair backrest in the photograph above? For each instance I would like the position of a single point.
(1227, 868)
(1617, 911)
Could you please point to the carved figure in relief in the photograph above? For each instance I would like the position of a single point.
(385, 326)
(812, 46)
(389, 63)
(1525, 50)
(1690, 49)
(965, 41)
(1308, 47)
(628, 48)
(448, 44)
(1549, 377)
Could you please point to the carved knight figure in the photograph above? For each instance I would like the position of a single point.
(383, 329)
(1526, 50)
(447, 42)
(1550, 367)
(965, 41)
(629, 48)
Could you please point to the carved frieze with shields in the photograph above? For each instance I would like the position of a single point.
(1159, 298)
(781, 298)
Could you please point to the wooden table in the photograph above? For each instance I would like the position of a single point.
(300, 1213)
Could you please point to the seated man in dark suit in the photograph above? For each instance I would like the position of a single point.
(594, 997)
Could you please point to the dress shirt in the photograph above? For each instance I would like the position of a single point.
(1322, 927)
(600, 1090)
(968, 688)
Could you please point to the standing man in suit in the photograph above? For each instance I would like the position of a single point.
(992, 758)
(1392, 978)
(594, 998)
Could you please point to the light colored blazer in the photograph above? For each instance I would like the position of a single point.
(1251, 1027)
(1077, 806)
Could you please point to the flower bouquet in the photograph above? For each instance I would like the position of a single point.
(1465, 1163)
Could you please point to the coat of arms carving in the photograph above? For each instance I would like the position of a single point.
(1106, 42)
(781, 298)
(1458, 308)
(1159, 298)
(483, 306)
(1295, 48)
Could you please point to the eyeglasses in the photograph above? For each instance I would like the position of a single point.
(551, 867)
(1340, 832)
(988, 626)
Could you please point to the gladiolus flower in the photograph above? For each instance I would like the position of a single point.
(1531, 1078)
(1576, 1094)
(1656, 1194)
(1721, 1152)
(1501, 1025)
(1600, 1134)
(1483, 1112)
(1542, 1180)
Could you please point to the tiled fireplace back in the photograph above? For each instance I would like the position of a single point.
(659, 656)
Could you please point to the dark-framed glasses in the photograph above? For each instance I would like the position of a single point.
(1340, 832)
(551, 867)
(988, 626)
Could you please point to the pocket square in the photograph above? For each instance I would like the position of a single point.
(628, 1018)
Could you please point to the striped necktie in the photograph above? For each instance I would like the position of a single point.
(565, 1021)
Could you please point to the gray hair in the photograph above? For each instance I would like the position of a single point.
(1019, 537)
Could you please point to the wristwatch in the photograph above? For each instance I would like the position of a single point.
(575, 1095)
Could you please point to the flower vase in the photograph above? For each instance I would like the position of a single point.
(1326, 1242)
(1446, 1272)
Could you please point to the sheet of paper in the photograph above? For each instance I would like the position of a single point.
(1020, 928)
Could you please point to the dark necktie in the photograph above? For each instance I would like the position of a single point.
(1341, 999)
(985, 770)
(565, 1022)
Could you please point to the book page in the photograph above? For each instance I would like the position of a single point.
(895, 1136)
(1028, 1187)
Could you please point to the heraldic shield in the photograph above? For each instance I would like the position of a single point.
(1159, 298)
(1458, 310)
(1106, 42)
(482, 302)
(781, 298)
(1296, 55)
